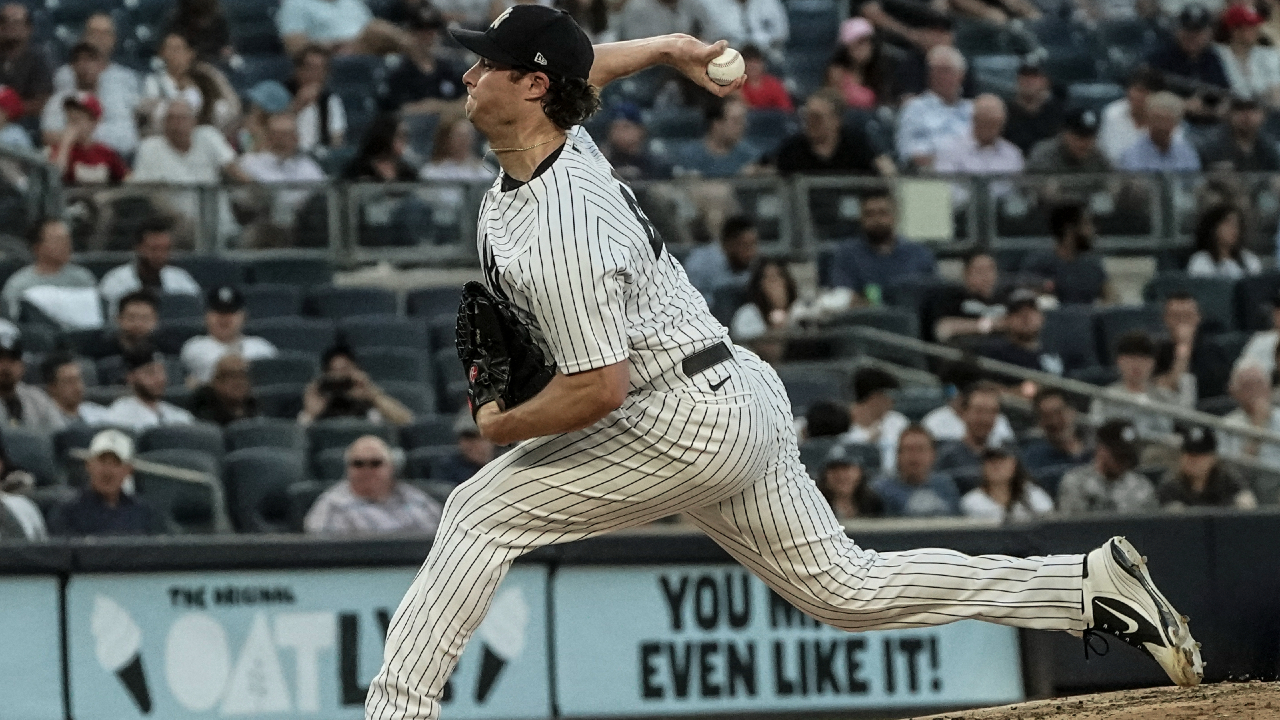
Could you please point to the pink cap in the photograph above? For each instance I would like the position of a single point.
(10, 102)
(854, 29)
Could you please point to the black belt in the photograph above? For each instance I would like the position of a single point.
(706, 359)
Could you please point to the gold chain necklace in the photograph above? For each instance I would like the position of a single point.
(507, 150)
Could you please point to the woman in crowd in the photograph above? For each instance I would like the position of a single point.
(1006, 491)
(1218, 246)
(204, 27)
(846, 485)
(859, 69)
(200, 84)
(1252, 69)
(381, 155)
(768, 312)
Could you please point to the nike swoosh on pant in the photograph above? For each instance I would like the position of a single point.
(719, 385)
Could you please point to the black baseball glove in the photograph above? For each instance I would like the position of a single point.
(498, 355)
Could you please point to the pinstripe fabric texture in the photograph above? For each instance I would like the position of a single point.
(598, 291)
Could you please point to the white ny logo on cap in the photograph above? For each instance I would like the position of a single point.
(498, 20)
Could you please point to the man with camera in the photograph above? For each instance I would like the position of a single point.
(344, 390)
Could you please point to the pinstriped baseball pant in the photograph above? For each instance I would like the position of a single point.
(727, 459)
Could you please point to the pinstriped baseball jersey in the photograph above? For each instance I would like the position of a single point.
(574, 253)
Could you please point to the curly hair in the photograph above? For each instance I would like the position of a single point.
(569, 101)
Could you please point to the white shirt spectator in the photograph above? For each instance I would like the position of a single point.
(1117, 132)
(1202, 264)
(978, 505)
(68, 276)
(201, 354)
(944, 424)
(1260, 351)
(118, 93)
(1230, 445)
(762, 23)
(27, 514)
(130, 412)
(160, 162)
(926, 121)
(340, 511)
(890, 428)
(962, 154)
(323, 21)
(650, 18)
(122, 280)
(309, 122)
(1257, 77)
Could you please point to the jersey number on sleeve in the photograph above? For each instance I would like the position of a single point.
(655, 239)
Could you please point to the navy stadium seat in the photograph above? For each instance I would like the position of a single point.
(294, 333)
(302, 495)
(1066, 332)
(420, 461)
(1215, 296)
(305, 272)
(257, 481)
(385, 364)
(365, 331)
(434, 302)
(200, 436)
(339, 302)
(32, 450)
(280, 401)
(341, 432)
(1255, 298)
(171, 334)
(288, 367)
(269, 300)
(808, 383)
(419, 397)
(1109, 323)
(451, 382)
(211, 271)
(265, 432)
(329, 464)
(427, 430)
(186, 506)
(180, 306)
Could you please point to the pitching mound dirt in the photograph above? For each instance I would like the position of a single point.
(1249, 701)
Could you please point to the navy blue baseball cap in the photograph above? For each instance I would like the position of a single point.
(533, 38)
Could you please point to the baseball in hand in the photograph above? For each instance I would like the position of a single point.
(726, 68)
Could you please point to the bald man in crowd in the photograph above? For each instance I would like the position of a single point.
(371, 500)
(982, 150)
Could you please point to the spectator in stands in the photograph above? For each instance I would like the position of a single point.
(341, 27)
(826, 145)
(1022, 343)
(639, 19)
(866, 265)
(1070, 271)
(945, 423)
(1161, 149)
(52, 267)
(769, 311)
(825, 419)
(381, 154)
(136, 321)
(1124, 121)
(722, 152)
(264, 99)
(12, 135)
(228, 396)
(143, 407)
(103, 508)
(1060, 444)
(1218, 245)
(860, 70)
(1035, 115)
(24, 519)
(1187, 356)
(23, 405)
(1252, 70)
(980, 150)
(627, 148)
(186, 153)
(1190, 58)
(1201, 480)
(1006, 491)
(201, 86)
(204, 26)
(64, 384)
(846, 484)
(938, 113)
(79, 158)
(979, 410)
(344, 390)
(762, 23)
(874, 421)
(322, 118)
(1136, 361)
(425, 81)
(23, 66)
(916, 489)
(371, 500)
(116, 89)
(1240, 145)
(454, 157)
(1261, 348)
(1251, 389)
(150, 269)
(728, 263)
(763, 91)
(224, 321)
(474, 452)
(1073, 150)
(1109, 484)
(100, 32)
(281, 161)
(973, 308)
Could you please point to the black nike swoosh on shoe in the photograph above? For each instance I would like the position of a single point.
(1114, 617)
(719, 385)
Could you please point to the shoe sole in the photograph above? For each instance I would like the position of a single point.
(1185, 666)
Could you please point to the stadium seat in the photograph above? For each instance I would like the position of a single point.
(341, 432)
(257, 482)
(288, 367)
(420, 461)
(280, 401)
(814, 451)
(1109, 323)
(32, 450)
(211, 271)
(808, 383)
(451, 382)
(442, 330)
(181, 306)
(329, 464)
(270, 300)
(676, 124)
(1215, 296)
(187, 507)
(890, 319)
(1063, 330)
(305, 272)
(1099, 375)
(1231, 344)
(427, 430)
(302, 495)
(419, 397)
(726, 300)
(38, 339)
(1219, 406)
(307, 335)
(916, 401)
(172, 334)
(265, 432)
(439, 490)
(395, 365)
(204, 437)
(1073, 66)
(259, 59)
(370, 331)
(434, 302)
(1254, 300)
(339, 302)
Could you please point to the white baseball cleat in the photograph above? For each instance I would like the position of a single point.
(1121, 600)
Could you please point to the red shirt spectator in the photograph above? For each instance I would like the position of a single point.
(762, 91)
(82, 160)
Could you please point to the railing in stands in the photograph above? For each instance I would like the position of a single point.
(29, 187)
